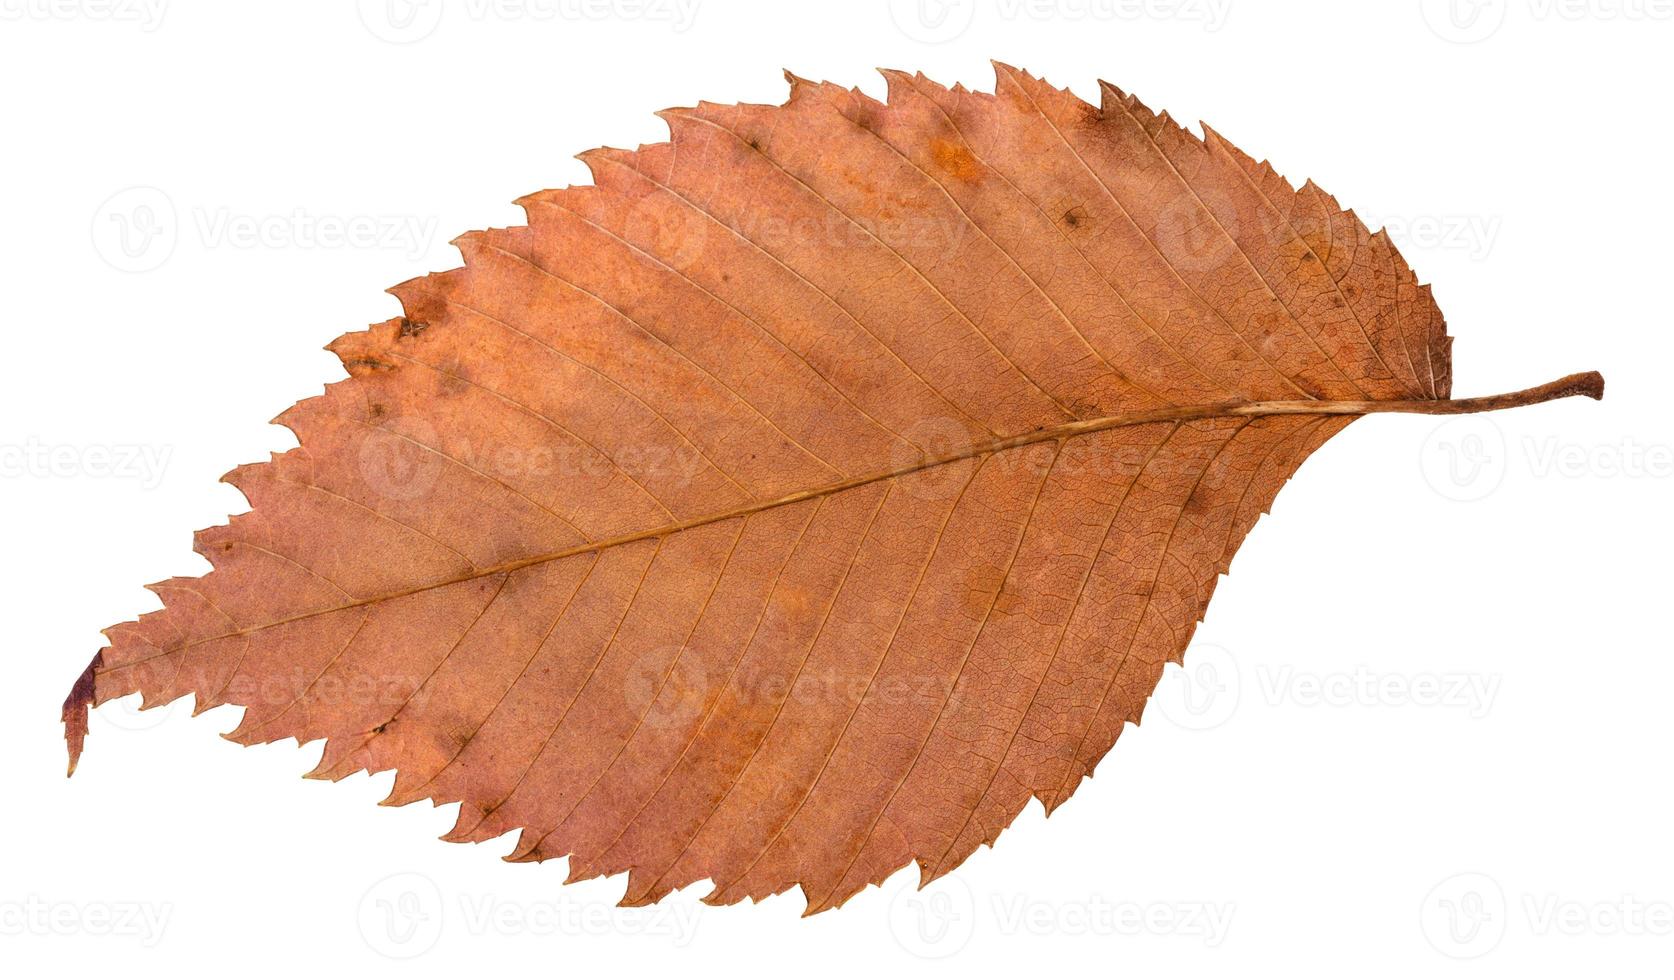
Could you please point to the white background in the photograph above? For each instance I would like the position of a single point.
(1445, 654)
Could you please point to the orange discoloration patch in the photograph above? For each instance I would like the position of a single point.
(957, 161)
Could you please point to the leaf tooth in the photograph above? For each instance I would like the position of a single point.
(321, 772)
(1111, 90)
(156, 698)
(1329, 199)
(1008, 70)
(898, 85)
(399, 795)
(795, 81)
(673, 113)
(245, 732)
(580, 870)
(463, 832)
(1113, 100)
(641, 892)
(595, 160)
(524, 852)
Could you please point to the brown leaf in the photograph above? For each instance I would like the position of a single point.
(803, 497)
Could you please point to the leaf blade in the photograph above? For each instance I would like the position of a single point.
(805, 496)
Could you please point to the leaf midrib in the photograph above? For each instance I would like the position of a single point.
(1571, 385)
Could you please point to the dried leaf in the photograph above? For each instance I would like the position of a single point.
(805, 496)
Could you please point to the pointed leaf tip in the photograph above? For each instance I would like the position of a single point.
(74, 714)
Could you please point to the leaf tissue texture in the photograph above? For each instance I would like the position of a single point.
(804, 496)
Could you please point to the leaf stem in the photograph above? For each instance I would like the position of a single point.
(1589, 383)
